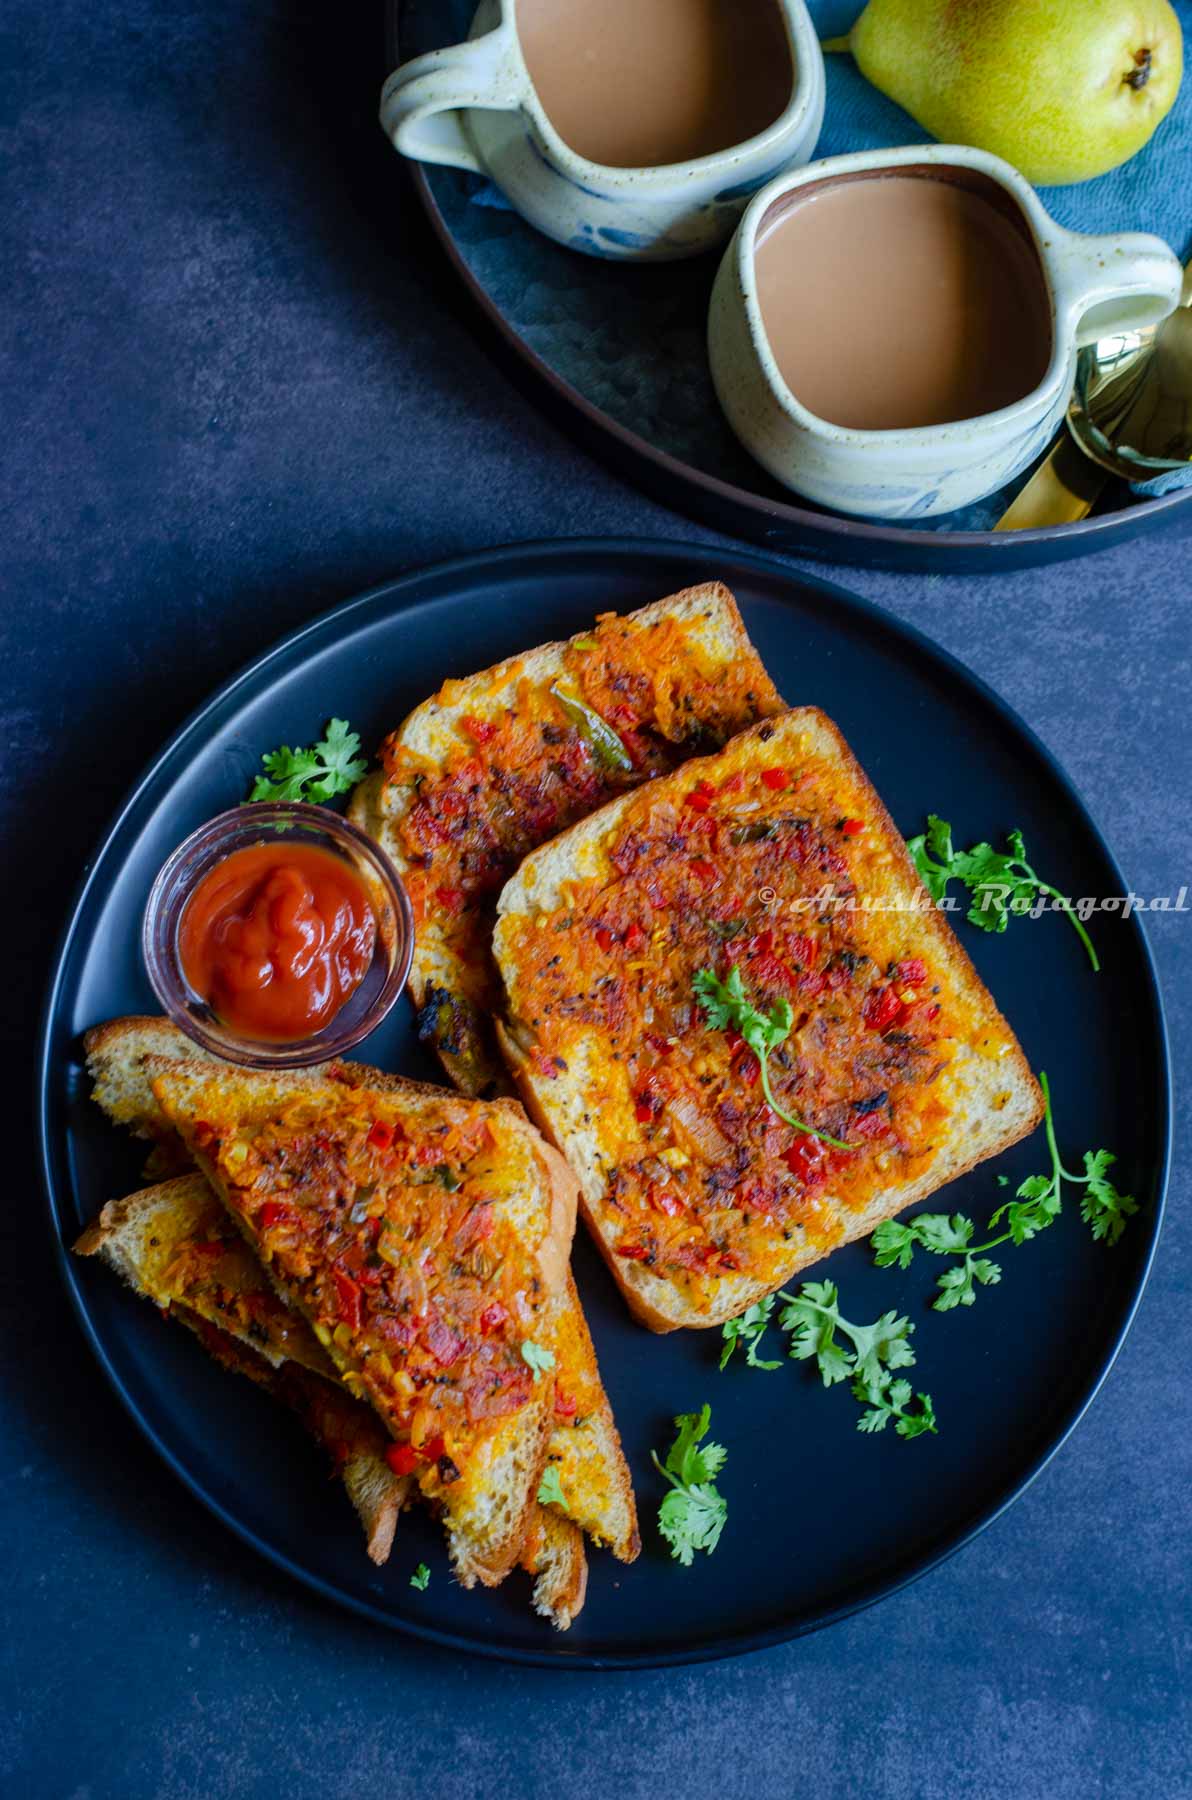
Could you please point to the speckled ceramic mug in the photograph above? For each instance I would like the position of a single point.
(473, 106)
(1097, 286)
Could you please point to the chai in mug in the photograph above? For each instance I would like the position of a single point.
(898, 300)
(894, 333)
(636, 83)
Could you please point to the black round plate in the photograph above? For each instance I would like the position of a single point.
(660, 310)
(821, 1520)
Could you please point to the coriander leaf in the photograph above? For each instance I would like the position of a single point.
(890, 1400)
(893, 1243)
(936, 842)
(536, 1357)
(956, 1287)
(550, 1491)
(687, 1462)
(420, 1578)
(1101, 1206)
(692, 1519)
(692, 1515)
(996, 886)
(722, 1001)
(317, 775)
(885, 1343)
(726, 1004)
(943, 1235)
(1037, 1203)
(811, 1317)
(749, 1329)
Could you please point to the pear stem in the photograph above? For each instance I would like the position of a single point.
(830, 45)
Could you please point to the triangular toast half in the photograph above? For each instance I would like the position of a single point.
(176, 1245)
(584, 1444)
(425, 1239)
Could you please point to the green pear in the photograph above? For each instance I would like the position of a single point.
(1063, 89)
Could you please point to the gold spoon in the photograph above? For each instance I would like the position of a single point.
(1130, 415)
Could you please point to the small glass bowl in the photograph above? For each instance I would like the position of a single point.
(276, 823)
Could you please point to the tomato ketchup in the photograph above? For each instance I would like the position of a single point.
(276, 937)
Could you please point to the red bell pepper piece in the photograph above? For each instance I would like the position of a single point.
(347, 1293)
(275, 1212)
(403, 1459)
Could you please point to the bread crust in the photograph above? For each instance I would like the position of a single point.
(654, 1300)
(553, 1554)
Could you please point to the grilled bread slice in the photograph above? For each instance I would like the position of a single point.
(116, 1055)
(775, 858)
(584, 1443)
(585, 1446)
(553, 1553)
(426, 1241)
(176, 1246)
(495, 765)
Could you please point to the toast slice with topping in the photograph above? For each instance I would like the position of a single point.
(584, 1445)
(495, 765)
(425, 1239)
(176, 1245)
(731, 1004)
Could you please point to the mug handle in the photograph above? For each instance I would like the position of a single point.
(1122, 282)
(422, 103)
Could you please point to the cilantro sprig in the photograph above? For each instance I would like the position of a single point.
(420, 1579)
(1037, 1203)
(692, 1515)
(727, 1007)
(813, 1318)
(1001, 882)
(866, 1360)
(330, 767)
(748, 1331)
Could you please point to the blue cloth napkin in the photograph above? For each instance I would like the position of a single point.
(632, 339)
(1152, 192)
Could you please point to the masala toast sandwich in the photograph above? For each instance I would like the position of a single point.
(425, 1239)
(497, 764)
(175, 1244)
(730, 1003)
(584, 1446)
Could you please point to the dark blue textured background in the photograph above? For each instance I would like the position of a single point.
(237, 387)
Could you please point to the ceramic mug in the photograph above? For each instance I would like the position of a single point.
(1097, 286)
(473, 106)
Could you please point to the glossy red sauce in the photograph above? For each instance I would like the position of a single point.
(276, 938)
